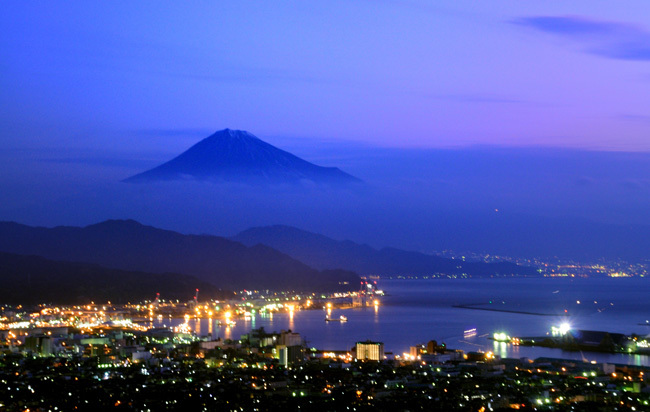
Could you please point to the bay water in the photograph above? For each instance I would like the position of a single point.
(416, 311)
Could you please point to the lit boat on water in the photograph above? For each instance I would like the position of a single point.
(339, 319)
(469, 333)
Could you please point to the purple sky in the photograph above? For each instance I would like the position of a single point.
(144, 78)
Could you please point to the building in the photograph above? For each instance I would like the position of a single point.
(290, 355)
(288, 338)
(40, 345)
(416, 351)
(370, 350)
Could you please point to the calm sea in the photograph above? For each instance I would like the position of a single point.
(416, 311)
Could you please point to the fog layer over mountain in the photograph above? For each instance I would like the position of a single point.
(497, 200)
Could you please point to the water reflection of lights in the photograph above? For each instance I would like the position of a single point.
(501, 349)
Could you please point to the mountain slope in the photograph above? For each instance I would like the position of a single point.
(325, 253)
(32, 279)
(236, 155)
(128, 245)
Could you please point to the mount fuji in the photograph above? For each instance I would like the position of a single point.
(238, 156)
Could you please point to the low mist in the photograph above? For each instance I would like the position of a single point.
(517, 202)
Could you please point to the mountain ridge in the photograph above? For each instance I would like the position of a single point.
(322, 252)
(129, 245)
(29, 279)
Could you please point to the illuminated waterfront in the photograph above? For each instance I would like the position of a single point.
(416, 311)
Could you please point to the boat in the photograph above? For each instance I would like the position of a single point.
(339, 319)
(469, 333)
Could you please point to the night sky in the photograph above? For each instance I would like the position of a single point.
(403, 94)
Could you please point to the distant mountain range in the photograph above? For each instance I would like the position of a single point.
(30, 280)
(129, 245)
(238, 156)
(324, 253)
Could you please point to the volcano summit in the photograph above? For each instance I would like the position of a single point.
(238, 156)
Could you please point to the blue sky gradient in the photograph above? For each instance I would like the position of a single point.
(391, 73)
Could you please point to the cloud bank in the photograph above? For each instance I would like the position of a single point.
(613, 40)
